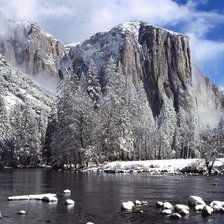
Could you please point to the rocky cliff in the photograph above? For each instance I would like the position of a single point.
(27, 47)
(25, 110)
(157, 57)
(153, 67)
(128, 93)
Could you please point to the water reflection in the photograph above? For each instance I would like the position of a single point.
(98, 196)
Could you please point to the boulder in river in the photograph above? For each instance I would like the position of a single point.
(69, 202)
(195, 200)
(159, 204)
(198, 207)
(184, 212)
(22, 212)
(166, 212)
(138, 203)
(217, 209)
(49, 199)
(219, 203)
(180, 207)
(207, 210)
(218, 206)
(129, 205)
(30, 197)
(175, 216)
(144, 202)
(67, 191)
(167, 205)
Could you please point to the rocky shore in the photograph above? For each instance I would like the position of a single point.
(152, 167)
(159, 167)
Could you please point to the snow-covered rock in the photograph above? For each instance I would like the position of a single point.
(175, 216)
(30, 197)
(207, 210)
(179, 207)
(67, 191)
(166, 212)
(219, 203)
(217, 208)
(167, 205)
(129, 205)
(50, 199)
(69, 202)
(199, 207)
(195, 200)
(144, 203)
(138, 203)
(184, 212)
(22, 212)
(159, 204)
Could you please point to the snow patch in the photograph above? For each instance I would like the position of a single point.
(170, 166)
(132, 27)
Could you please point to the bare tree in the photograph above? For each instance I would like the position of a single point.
(210, 146)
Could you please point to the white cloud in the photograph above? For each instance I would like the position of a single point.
(205, 50)
(22, 9)
(71, 20)
(92, 16)
(34, 10)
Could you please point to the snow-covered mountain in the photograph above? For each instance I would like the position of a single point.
(128, 93)
(157, 57)
(27, 47)
(147, 70)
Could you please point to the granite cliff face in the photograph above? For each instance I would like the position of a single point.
(157, 57)
(25, 110)
(158, 60)
(27, 47)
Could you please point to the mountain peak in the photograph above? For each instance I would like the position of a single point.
(32, 50)
(134, 27)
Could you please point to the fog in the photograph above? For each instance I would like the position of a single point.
(208, 103)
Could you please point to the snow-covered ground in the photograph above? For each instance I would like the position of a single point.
(172, 166)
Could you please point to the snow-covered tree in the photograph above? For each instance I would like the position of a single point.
(167, 126)
(117, 134)
(93, 86)
(78, 120)
(142, 123)
(211, 146)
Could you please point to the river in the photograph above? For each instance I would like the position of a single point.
(98, 196)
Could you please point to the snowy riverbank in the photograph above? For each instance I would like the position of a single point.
(172, 166)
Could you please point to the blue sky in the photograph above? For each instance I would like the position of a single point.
(75, 20)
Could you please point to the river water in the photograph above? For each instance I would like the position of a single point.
(98, 196)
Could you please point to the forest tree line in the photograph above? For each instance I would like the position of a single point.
(100, 119)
